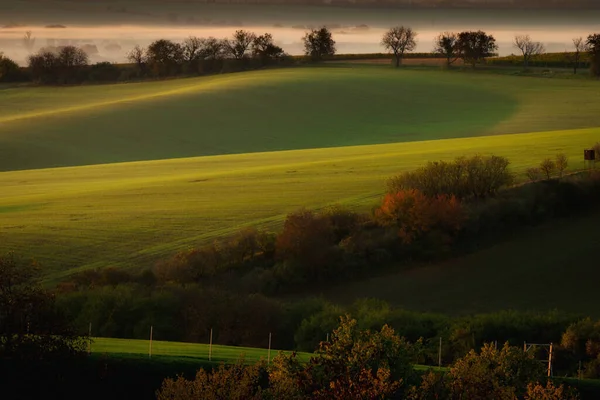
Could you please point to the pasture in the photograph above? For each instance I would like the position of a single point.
(133, 214)
(274, 110)
(304, 137)
(184, 351)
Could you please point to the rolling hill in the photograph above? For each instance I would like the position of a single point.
(301, 108)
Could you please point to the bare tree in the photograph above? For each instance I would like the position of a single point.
(192, 48)
(213, 48)
(72, 57)
(240, 44)
(547, 167)
(137, 56)
(561, 163)
(399, 40)
(446, 44)
(528, 47)
(580, 47)
(28, 41)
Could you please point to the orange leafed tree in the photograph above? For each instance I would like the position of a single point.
(417, 215)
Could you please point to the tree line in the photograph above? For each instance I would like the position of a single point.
(246, 50)
(38, 324)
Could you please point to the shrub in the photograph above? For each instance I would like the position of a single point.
(547, 167)
(476, 177)
(9, 70)
(493, 373)
(561, 162)
(307, 242)
(236, 382)
(533, 174)
(417, 215)
(537, 391)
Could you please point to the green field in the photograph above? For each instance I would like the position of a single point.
(179, 350)
(132, 214)
(274, 110)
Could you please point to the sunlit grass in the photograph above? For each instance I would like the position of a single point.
(227, 354)
(132, 214)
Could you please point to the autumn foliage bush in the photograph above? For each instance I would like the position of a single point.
(418, 216)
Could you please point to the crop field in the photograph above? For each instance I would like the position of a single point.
(131, 214)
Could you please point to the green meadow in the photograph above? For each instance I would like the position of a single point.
(274, 110)
(184, 351)
(304, 137)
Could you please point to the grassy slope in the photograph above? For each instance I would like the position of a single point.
(195, 351)
(553, 266)
(278, 110)
(134, 213)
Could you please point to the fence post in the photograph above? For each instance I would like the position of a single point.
(150, 348)
(269, 353)
(210, 346)
(440, 354)
(90, 339)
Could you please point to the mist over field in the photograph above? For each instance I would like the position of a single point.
(110, 31)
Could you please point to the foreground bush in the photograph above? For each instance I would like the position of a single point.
(235, 382)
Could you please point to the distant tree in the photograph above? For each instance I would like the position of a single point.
(561, 162)
(71, 57)
(547, 167)
(62, 65)
(138, 56)
(9, 70)
(593, 48)
(192, 49)
(265, 50)
(43, 66)
(213, 48)
(238, 46)
(28, 41)
(164, 57)
(579, 45)
(528, 47)
(399, 40)
(30, 325)
(319, 43)
(192, 53)
(446, 44)
(475, 47)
